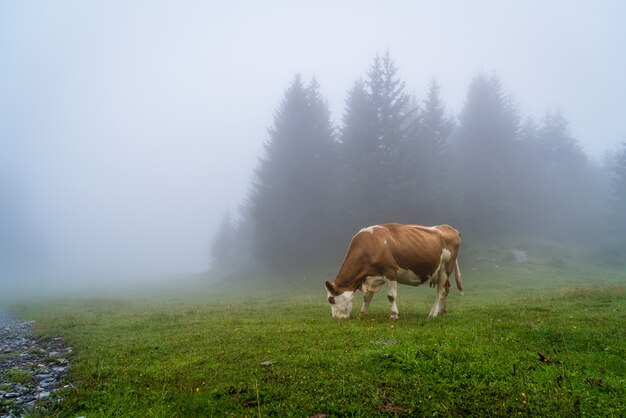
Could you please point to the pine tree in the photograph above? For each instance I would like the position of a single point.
(431, 197)
(617, 198)
(486, 149)
(378, 148)
(394, 123)
(564, 178)
(292, 201)
(531, 184)
(360, 161)
(223, 245)
(563, 153)
(436, 125)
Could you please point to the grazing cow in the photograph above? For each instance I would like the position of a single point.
(391, 254)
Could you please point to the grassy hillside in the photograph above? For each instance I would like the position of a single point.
(543, 338)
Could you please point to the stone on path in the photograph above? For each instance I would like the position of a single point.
(44, 363)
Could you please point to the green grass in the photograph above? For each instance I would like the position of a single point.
(16, 376)
(526, 340)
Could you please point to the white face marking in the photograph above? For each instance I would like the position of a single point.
(343, 304)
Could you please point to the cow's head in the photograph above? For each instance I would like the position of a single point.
(340, 302)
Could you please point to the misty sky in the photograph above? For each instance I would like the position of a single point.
(129, 127)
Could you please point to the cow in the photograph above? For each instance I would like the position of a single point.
(391, 254)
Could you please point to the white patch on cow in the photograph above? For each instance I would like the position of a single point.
(445, 255)
(432, 279)
(367, 298)
(373, 283)
(392, 294)
(408, 277)
(370, 229)
(440, 303)
(343, 304)
(442, 277)
(443, 259)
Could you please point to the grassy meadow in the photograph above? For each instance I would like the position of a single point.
(543, 338)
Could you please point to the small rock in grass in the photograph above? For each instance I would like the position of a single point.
(43, 395)
(267, 363)
(520, 256)
(385, 342)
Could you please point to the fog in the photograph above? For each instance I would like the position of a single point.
(127, 129)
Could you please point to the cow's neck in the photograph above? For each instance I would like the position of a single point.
(349, 278)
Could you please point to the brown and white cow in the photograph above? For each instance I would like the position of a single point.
(391, 254)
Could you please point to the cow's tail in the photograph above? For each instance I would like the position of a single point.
(457, 276)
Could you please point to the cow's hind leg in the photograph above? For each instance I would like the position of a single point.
(445, 300)
(442, 294)
(367, 298)
(392, 295)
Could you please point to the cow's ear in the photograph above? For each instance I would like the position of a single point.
(330, 287)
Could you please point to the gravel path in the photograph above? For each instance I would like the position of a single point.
(31, 369)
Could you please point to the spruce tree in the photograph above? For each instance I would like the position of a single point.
(486, 149)
(223, 245)
(360, 161)
(531, 185)
(292, 202)
(436, 125)
(617, 198)
(563, 153)
(394, 125)
(378, 148)
(564, 178)
(431, 168)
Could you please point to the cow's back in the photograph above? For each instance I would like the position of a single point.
(416, 248)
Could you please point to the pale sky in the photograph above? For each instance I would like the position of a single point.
(129, 127)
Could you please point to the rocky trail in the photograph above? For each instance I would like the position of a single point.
(32, 369)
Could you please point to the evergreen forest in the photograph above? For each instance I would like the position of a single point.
(489, 170)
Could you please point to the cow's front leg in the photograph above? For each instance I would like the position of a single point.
(367, 298)
(442, 294)
(392, 295)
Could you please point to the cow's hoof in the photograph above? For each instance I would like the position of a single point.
(395, 315)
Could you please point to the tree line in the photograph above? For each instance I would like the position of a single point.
(394, 158)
